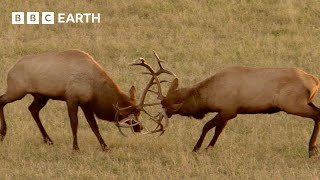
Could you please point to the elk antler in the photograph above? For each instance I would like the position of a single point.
(154, 81)
(123, 122)
(162, 128)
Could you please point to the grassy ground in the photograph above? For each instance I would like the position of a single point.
(196, 38)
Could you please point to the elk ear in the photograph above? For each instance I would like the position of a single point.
(174, 85)
(132, 93)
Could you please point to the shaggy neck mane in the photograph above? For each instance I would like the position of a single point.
(193, 104)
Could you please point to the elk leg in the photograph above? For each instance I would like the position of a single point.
(38, 103)
(220, 126)
(219, 121)
(3, 129)
(209, 125)
(5, 99)
(73, 115)
(316, 117)
(217, 132)
(308, 110)
(312, 144)
(93, 124)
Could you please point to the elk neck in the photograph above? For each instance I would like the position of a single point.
(193, 104)
(108, 95)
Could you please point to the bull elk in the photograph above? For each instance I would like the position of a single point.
(75, 77)
(245, 90)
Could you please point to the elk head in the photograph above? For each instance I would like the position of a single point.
(154, 81)
(127, 114)
(174, 99)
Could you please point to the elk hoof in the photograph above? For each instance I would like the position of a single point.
(2, 134)
(195, 149)
(48, 141)
(76, 148)
(313, 152)
(1, 137)
(209, 147)
(104, 148)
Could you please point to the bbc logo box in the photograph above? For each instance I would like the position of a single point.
(32, 17)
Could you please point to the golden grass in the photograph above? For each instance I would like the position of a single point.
(196, 39)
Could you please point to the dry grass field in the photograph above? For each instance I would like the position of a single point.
(197, 39)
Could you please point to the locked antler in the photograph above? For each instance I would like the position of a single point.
(128, 122)
(154, 81)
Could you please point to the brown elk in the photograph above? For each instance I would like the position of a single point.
(245, 90)
(72, 76)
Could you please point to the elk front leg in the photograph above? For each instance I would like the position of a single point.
(209, 125)
(219, 121)
(93, 124)
(73, 115)
(217, 132)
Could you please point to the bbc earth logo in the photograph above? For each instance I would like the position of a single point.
(49, 18)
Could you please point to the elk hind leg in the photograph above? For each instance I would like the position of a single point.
(38, 103)
(308, 110)
(313, 150)
(3, 128)
(8, 97)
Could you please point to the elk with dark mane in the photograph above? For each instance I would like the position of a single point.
(245, 90)
(75, 77)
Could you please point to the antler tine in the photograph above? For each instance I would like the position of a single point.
(151, 104)
(154, 83)
(159, 60)
(160, 127)
(162, 70)
(142, 63)
(162, 81)
(121, 132)
(116, 119)
(151, 82)
(122, 123)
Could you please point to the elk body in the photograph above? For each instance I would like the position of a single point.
(72, 76)
(244, 90)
